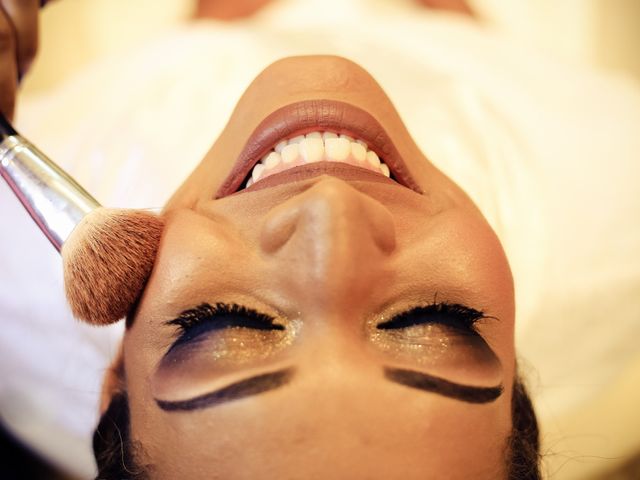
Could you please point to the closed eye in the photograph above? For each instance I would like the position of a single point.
(451, 315)
(206, 318)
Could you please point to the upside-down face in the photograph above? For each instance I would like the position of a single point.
(348, 314)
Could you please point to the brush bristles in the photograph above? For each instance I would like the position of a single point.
(107, 261)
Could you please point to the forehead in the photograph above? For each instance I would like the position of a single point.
(331, 426)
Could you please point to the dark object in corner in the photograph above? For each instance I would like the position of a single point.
(22, 464)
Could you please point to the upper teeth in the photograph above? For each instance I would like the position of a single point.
(316, 147)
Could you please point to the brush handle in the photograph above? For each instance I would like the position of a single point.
(55, 201)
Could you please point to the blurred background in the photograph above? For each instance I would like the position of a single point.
(599, 33)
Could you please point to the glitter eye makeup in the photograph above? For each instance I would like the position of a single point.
(225, 333)
(205, 318)
(452, 315)
(439, 337)
(212, 340)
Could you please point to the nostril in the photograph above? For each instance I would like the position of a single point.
(382, 226)
(278, 227)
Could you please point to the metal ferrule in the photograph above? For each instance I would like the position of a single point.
(55, 201)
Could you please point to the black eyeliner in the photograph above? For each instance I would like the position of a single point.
(204, 318)
(450, 314)
(244, 388)
(429, 383)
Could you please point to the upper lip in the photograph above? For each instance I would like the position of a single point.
(312, 115)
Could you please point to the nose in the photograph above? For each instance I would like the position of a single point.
(330, 242)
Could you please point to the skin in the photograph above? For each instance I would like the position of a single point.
(329, 259)
(225, 10)
(18, 46)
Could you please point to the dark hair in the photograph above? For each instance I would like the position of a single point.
(112, 446)
(118, 458)
(523, 455)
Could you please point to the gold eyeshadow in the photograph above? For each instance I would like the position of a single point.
(450, 347)
(441, 339)
(191, 367)
(423, 343)
(231, 345)
(433, 345)
(230, 333)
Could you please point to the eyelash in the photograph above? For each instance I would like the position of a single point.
(205, 318)
(452, 315)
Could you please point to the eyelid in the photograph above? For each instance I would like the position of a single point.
(205, 318)
(192, 317)
(449, 314)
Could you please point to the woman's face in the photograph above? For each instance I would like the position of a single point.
(327, 321)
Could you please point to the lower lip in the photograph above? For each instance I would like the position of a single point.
(321, 115)
(343, 171)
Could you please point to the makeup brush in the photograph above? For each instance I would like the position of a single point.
(107, 254)
(107, 261)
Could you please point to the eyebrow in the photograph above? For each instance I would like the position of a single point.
(244, 388)
(272, 380)
(429, 383)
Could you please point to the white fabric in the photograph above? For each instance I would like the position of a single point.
(549, 153)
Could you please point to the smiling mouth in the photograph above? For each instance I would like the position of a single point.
(313, 136)
(316, 147)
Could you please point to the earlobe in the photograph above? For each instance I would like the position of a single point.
(113, 382)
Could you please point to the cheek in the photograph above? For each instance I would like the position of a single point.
(138, 364)
(455, 256)
(471, 253)
(486, 266)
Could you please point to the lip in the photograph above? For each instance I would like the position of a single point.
(301, 173)
(311, 115)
